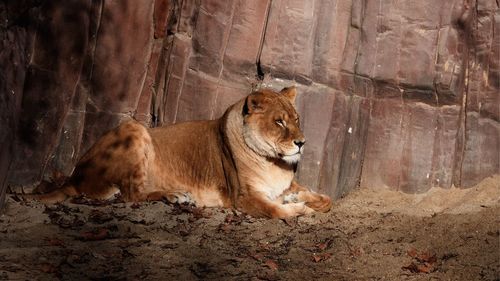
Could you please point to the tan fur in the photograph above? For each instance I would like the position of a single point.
(245, 160)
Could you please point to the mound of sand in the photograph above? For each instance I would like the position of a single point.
(437, 200)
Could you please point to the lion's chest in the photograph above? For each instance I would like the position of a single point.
(273, 181)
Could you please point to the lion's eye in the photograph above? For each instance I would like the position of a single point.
(281, 123)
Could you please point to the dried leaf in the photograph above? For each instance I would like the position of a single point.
(425, 268)
(95, 235)
(55, 242)
(426, 257)
(326, 256)
(322, 246)
(320, 257)
(412, 252)
(48, 268)
(419, 268)
(424, 261)
(412, 267)
(271, 264)
(257, 257)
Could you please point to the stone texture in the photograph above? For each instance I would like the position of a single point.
(353, 151)
(418, 128)
(322, 113)
(385, 137)
(445, 146)
(396, 94)
(120, 58)
(15, 41)
(49, 84)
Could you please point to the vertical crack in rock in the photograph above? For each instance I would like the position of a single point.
(365, 140)
(84, 9)
(223, 55)
(343, 169)
(466, 32)
(161, 82)
(356, 59)
(166, 56)
(87, 73)
(149, 55)
(94, 46)
(260, 71)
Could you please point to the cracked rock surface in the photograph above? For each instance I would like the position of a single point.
(402, 94)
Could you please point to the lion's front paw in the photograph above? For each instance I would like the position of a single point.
(295, 210)
(324, 204)
(181, 198)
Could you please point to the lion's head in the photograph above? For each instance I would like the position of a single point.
(271, 125)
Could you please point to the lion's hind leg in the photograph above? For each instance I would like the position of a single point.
(174, 197)
(55, 196)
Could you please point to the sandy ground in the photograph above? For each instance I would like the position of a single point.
(372, 234)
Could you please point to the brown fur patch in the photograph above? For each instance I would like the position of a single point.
(116, 144)
(127, 142)
(106, 155)
(80, 173)
(102, 171)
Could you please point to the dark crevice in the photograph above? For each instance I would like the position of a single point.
(466, 22)
(367, 126)
(342, 188)
(94, 44)
(260, 71)
(21, 17)
(174, 18)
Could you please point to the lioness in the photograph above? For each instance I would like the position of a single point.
(245, 160)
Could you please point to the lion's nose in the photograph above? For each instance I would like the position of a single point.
(299, 143)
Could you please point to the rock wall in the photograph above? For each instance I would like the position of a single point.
(398, 94)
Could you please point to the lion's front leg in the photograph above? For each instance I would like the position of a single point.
(298, 193)
(260, 206)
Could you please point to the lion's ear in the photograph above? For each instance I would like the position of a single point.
(253, 103)
(290, 93)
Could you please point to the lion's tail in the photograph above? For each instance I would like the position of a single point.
(55, 196)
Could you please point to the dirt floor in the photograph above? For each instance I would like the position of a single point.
(372, 234)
